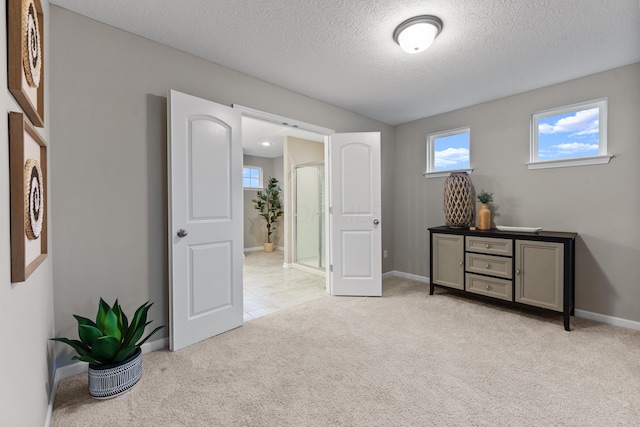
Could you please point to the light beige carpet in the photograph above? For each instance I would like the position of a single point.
(406, 359)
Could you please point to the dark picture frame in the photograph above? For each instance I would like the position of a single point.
(28, 197)
(25, 56)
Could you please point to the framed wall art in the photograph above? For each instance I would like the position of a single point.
(28, 196)
(25, 47)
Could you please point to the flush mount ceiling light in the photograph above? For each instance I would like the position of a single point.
(416, 34)
(266, 144)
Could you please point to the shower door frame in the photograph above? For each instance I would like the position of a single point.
(321, 270)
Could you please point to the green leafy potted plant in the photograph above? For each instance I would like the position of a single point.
(111, 346)
(484, 215)
(268, 203)
(485, 197)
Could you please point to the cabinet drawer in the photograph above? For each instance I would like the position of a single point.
(488, 264)
(490, 245)
(496, 288)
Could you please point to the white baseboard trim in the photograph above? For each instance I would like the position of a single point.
(388, 274)
(609, 320)
(310, 270)
(80, 367)
(261, 248)
(396, 273)
(155, 345)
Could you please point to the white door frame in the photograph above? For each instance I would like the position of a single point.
(326, 132)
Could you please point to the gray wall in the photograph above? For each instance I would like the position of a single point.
(108, 118)
(599, 202)
(26, 308)
(255, 227)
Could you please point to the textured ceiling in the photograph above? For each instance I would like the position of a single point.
(342, 52)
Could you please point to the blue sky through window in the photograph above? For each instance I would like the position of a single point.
(250, 177)
(451, 152)
(575, 134)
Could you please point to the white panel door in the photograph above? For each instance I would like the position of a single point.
(205, 219)
(355, 206)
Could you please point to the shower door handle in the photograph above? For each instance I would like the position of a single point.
(376, 221)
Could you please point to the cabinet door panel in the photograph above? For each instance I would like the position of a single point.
(448, 263)
(539, 274)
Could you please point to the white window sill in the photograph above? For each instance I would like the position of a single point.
(442, 174)
(563, 163)
(253, 188)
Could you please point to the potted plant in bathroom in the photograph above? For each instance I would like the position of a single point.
(484, 215)
(268, 203)
(111, 346)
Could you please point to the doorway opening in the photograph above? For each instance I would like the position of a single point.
(270, 282)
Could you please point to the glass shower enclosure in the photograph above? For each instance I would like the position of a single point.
(309, 216)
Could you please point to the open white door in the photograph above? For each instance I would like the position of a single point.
(205, 219)
(355, 206)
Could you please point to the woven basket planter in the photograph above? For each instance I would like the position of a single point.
(107, 381)
(458, 200)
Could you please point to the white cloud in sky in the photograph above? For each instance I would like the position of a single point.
(450, 157)
(575, 147)
(581, 123)
(545, 154)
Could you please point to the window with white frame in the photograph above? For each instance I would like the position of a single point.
(573, 135)
(448, 151)
(251, 177)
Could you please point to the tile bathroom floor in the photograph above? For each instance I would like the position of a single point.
(269, 288)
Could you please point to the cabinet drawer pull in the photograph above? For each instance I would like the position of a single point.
(488, 287)
(460, 263)
(518, 271)
(488, 246)
(488, 266)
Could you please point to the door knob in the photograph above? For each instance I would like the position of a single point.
(376, 221)
(182, 232)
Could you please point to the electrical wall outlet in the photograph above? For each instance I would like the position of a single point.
(385, 255)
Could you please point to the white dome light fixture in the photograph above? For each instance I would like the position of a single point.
(416, 34)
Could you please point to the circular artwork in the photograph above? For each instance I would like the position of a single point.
(34, 199)
(31, 56)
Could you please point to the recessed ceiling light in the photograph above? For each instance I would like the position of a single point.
(266, 144)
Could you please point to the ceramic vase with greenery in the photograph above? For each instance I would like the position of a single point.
(268, 203)
(484, 215)
(111, 346)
